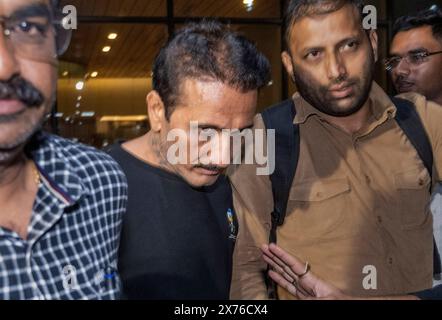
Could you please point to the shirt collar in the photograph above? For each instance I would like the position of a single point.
(381, 105)
(57, 172)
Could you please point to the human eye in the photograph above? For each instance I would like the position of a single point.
(30, 27)
(352, 45)
(418, 57)
(313, 55)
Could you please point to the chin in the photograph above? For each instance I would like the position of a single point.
(200, 181)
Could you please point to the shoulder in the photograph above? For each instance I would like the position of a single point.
(429, 111)
(87, 162)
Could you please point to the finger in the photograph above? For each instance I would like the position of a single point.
(278, 269)
(308, 281)
(294, 263)
(280, 263)
(283, 282)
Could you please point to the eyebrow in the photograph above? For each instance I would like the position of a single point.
(338, 45)
(215, 127)
(417, 50)
(34, 10)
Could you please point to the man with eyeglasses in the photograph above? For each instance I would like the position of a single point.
(61, 203)
(415, 64)
(415, 61)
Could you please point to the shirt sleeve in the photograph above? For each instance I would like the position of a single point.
(253, 202)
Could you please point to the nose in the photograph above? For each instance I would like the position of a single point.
(402, 69)
(8, 62)
(335, 67)
(219, 151)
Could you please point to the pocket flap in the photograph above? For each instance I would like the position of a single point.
(412, 179)
(319, 190)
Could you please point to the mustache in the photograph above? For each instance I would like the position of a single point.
(20, 89)
(403, 80)
(209, 167)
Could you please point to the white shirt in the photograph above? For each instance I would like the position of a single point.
(436, 209)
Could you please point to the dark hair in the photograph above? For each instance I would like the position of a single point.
(429, 17)
(298, 9)
(208, 50)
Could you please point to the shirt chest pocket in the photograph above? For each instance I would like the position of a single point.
(317, 207)
(413, 196)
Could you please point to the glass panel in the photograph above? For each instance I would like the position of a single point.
(110, 104)
(119, 8)
(268, 41)
(228, 8)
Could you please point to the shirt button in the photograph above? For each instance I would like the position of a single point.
(379, 219)
(421, 182)
(319, 194)
(390, 261)
(367, 179)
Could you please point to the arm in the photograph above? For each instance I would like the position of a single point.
(286, 267)
(253, 203)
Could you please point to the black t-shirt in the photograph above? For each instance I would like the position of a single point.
(177, 242)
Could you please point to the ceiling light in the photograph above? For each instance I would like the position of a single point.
(79, 85)
(248, 4)
(106, 49)
(94, 74)
(112, 36)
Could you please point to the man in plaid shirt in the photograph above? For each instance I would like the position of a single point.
(61, 203)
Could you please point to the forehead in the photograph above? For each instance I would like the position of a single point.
(422, 37)
(7, 7)
(325, 29)
(213, 100)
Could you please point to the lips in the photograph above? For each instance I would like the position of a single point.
(404, 86)
(208, 172)
(342, 91)
(10, 107)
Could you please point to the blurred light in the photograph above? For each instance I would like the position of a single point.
(79, 98)
(248, 4)
(79, 85)
(123, 118)
(106, 49)
(112, 36)
(65, 74)
(88, 114)
(78, 105)
(94, 74)
(270, 83)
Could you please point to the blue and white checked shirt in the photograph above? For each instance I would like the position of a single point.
(74, 233)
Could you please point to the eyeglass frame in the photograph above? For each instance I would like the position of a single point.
(407, 57)
(57, 25)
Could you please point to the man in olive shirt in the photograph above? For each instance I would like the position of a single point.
(415, 65)
(358, 205)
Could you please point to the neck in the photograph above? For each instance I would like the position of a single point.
(12, 177)
(150, 149)
(355, 122)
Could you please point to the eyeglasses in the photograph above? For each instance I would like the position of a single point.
(414, 59)
(41, 38)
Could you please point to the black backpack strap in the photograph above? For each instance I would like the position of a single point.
(280, 118)
(410, 122)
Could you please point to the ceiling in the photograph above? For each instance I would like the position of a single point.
(134, 50)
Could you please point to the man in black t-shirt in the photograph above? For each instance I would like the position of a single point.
(180, 227)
